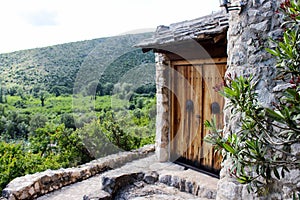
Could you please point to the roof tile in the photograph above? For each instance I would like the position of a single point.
(199, 28)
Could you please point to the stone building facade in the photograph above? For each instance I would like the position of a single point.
(248, 32)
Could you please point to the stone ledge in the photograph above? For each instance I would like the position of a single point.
(34, 185)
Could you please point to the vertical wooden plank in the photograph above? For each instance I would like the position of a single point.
(201, 97)
(177, 113)
(185, 91)
(194, 123)
(207, 100)
(179, 130)
(190, 112)
(172, 112)
(182, 95)
(199, 112)
(196, 136)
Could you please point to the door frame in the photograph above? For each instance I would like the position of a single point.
(196, 62)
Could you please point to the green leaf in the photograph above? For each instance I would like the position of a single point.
(274, 115)
(229, 92)
(251, 144)
(243, 179)
(273, 52)
(228, 148)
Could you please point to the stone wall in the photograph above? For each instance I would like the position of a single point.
(162, 117)
(34, 185)
(248, 34)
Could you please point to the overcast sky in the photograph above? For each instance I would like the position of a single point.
(37, 23)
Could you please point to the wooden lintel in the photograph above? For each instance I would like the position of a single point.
(202, 61)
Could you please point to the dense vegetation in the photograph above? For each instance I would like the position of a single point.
(65, 105)
(265, 149)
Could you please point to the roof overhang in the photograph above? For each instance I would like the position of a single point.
(209, 32)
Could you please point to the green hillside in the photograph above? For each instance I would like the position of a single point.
(102, 102)
(58, 68)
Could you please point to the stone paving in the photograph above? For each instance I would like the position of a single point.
(142, 191)
(173, 183)
(75, 191)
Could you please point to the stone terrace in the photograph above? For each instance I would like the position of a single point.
(141, 179)
(144, 178)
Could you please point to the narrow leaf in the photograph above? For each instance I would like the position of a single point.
(228, 148)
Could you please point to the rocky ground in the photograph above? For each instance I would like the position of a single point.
(144, 191)
(141, 179)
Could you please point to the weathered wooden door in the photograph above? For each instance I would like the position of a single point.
(193, 101)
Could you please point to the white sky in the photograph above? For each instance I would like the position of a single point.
(36, 23)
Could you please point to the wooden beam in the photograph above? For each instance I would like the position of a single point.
(201, 61)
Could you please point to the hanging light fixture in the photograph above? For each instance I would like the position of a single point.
(228, 7)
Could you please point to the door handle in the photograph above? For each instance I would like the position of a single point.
(215, 108)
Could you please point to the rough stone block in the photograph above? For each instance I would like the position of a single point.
(165, 179)
(114, 182)
(175, 181)
(229, 190)
(46, 180)
(98, 195)
(267, 6)
(151, 177)
(263, 26)
(37, 187)
(189, 186)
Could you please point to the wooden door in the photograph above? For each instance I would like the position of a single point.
(193, 101)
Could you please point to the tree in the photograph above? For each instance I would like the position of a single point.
(114, 130)
(13, 90)
(60, 90)
(62, 142)
(95, 140)
(38, 120)
(15, 162)
(68, 120)
(108, 88)
(1, 95)
(16, 125)
(262, 151)
(43, 95)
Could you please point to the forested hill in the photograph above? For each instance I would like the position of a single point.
(57, 68)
